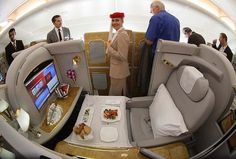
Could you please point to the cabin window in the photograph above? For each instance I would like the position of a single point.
(97, 52)
(99, 81)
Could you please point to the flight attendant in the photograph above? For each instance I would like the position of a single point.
(117, 50)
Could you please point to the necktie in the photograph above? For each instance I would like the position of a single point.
(59, 32)
(14, 44)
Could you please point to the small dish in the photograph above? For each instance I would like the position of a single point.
(112, 102)
(87, 116)
(108, 134)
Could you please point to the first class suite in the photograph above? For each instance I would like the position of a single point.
(54, 97)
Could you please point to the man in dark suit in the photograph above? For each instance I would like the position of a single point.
(223, 46)
(13, 46)
(193, 37)
(58, 33)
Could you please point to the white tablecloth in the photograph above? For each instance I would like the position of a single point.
(96, 124)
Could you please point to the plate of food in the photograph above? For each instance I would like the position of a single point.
(83, 132)
(110, 113)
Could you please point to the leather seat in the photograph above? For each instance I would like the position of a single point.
(196, 106)
(201, 102)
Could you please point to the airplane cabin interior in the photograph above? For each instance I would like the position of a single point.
(55, 103)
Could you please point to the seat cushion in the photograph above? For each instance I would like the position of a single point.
(194, 113)
(140, 124)
(193, 83)
(166, 119)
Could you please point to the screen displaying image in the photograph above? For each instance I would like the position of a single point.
(42, 84)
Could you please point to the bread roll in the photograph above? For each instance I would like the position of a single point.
(87, 129)
(77, 129)
(82, 133)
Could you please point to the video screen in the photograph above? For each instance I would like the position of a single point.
(42, 83)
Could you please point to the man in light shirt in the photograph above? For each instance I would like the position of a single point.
(223, 46)
(59, 33)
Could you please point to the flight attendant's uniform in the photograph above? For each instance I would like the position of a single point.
(119, 67)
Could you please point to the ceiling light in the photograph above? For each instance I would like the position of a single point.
(216, 11)
(8, 24)
(20, 11)
(25, 8)
(207, 6)
(228, 22)
(3, 24)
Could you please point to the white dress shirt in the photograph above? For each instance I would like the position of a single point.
(62, 35)
(222, 49)
(116, 33)
(14, 43)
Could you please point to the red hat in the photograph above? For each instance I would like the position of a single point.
(117, 15)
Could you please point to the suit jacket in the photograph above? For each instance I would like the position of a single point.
(227, 51)
(10, 49)
(118, 51)
(52, 35)
(145, 69)
(196, 39)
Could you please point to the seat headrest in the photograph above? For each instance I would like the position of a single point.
(193, 83)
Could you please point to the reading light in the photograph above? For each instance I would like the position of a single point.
(21, 116)
(6, 154)
(4, 108)
(3, 105)
(76, 60)
(23, 119)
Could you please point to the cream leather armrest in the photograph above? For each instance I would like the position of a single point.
(140, 102)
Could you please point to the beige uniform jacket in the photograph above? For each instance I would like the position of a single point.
(118, 52)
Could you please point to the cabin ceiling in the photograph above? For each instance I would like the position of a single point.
(83, 16)
(228, 6)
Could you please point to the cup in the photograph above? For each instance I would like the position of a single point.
(62, 91)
